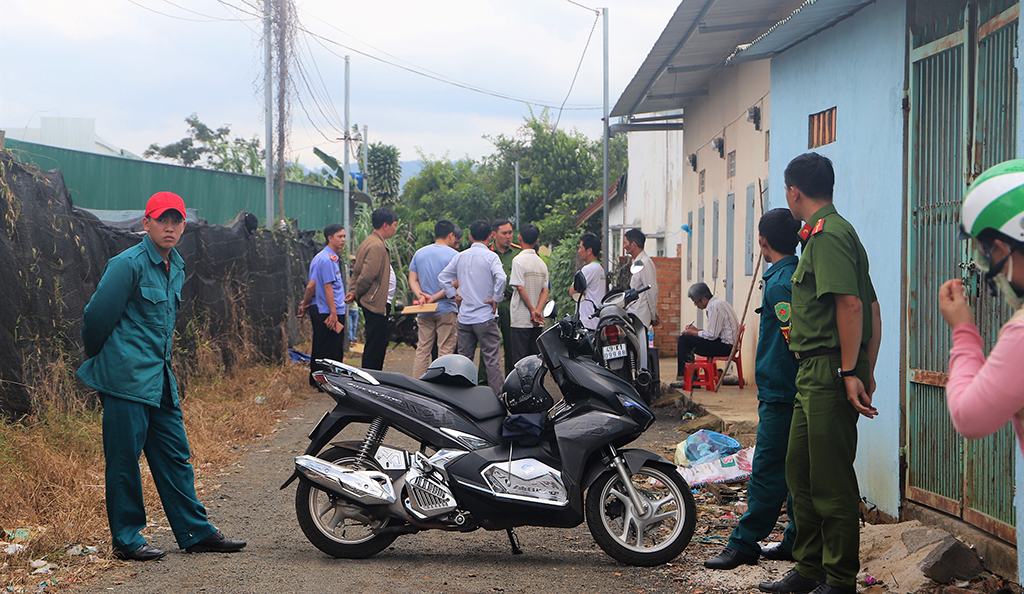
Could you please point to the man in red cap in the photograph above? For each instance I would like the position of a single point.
(127, 331)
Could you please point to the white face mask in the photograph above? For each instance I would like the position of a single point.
(1001, 281)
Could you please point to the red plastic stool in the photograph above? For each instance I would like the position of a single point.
(707, 375)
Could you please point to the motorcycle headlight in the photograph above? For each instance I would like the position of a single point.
(636, 410)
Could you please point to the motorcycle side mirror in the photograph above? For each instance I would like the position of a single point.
(550, 309)
(579, 282)
(636, 267)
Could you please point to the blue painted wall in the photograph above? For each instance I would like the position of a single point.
(858, 67)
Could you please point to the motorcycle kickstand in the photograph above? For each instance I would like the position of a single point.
(513, 539)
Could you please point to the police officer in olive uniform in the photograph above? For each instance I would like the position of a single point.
(775, 371)
(506, 253)
(835, 336)
(127, 331)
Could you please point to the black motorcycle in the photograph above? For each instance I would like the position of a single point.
(491, 463)
(620, 340)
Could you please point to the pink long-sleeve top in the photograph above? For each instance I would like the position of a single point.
(983, 394)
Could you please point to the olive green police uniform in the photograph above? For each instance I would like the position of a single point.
(504, 315)
(823, 437)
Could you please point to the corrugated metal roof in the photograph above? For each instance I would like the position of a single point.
(811, 18)
(694, 46)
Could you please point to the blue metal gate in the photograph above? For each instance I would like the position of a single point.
(963, 120)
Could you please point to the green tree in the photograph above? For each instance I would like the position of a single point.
(209, 148)
(385, 173)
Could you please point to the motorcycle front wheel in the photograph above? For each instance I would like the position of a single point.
(649, 536)
(335, 525)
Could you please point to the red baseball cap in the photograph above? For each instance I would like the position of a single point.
(162, 202)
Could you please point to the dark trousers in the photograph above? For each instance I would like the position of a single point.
(767, 490)
(687, 345)
(376, 330)
(505, 326)
(129, 429)
(327, 344)
(524, 342)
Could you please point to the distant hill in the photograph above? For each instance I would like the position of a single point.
(409, 170)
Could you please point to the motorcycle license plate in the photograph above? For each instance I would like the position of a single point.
(614, 351)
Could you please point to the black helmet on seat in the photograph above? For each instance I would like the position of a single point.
(452, 370)
(523, 390)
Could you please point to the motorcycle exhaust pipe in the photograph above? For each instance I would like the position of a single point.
(643, 378)
(368, 487)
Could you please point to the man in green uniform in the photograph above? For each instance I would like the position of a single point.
(775, 372)
(506, 252)
(835, 336)
(127, 331)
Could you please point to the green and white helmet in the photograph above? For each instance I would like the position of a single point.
(996, 201)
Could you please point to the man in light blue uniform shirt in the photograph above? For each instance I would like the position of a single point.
(325, 299)
(436, 327)
(481, 279)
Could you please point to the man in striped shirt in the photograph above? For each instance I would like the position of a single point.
(714, 341)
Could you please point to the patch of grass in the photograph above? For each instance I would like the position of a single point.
(52, 468)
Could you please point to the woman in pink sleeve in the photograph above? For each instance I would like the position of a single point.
(983, 394)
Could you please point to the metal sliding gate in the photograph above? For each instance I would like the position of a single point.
(963, 116)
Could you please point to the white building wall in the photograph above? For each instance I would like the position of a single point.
(664, 190)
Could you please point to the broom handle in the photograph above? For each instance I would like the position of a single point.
(746, 307)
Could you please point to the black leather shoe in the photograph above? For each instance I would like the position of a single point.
(730, 559)
(217, 543)
(792, 583)
(143, 553)
(826, 588)
(777, 553)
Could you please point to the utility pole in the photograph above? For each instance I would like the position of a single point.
(348, 134)
(604, 229)
(283, 33)
(517, 196)
(366, 162)
(268, 98)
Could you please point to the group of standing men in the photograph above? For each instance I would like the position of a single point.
(819, 337)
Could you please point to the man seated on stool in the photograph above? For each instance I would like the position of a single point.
(714, 341)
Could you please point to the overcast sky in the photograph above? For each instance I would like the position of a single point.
(140, 73)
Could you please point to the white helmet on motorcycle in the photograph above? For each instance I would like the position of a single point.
(452, 370)
(523, 391)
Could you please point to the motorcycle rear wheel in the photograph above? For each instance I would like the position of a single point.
(336, 526)
(649, 537)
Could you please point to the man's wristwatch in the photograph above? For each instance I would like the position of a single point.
(844, 373)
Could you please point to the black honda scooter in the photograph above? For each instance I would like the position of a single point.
(471, 471)
(620, 340)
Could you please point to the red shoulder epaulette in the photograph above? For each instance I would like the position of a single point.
(818, 227)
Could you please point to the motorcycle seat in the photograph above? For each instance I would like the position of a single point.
(479, 402)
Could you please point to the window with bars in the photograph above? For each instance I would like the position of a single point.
(821, 128)
(700, 183)
(731, 168)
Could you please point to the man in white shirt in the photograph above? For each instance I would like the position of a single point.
(481, 281)
(529, 281)
(646, 307)
(714, 341)
(590, 252)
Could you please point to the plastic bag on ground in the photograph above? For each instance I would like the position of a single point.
(730, 469)
(705, 446)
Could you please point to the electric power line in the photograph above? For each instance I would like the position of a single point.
(578, 66)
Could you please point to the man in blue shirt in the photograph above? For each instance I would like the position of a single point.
(437, 327)
(775, 374)
(481, 279)
(325, 299)
(127, 331)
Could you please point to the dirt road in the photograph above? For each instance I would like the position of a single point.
(248, 504)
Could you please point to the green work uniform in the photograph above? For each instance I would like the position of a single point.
(127, 330)
(504, 316)
(823, 437)
(775, 373)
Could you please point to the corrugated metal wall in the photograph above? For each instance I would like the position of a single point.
(114, 183)
(953, 98)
